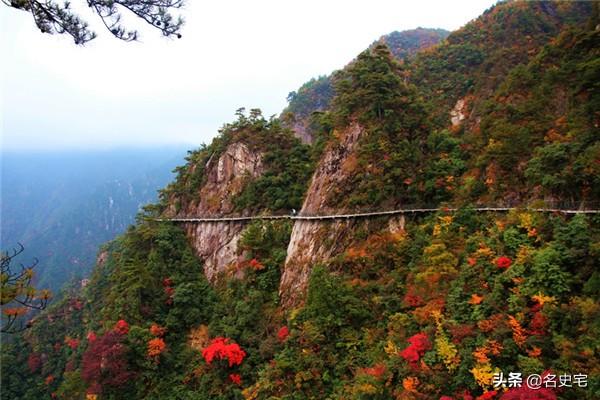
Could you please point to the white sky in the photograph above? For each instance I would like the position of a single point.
(56, 95)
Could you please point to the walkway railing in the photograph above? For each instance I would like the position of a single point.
(317, 217)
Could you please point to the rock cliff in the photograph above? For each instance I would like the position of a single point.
(216, 242)
(313, 242)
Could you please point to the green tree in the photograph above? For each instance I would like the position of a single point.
(52, 17)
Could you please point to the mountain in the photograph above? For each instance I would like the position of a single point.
(315, 95)
(433, 303)
(62, 206)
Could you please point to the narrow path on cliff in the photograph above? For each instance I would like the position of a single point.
(316, 217)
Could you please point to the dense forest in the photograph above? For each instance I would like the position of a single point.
(504, 111)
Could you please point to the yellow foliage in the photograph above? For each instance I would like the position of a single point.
(199, 338)
(447, 350)
(526, 222)
(446, 220)
(437, 229)
(484, 252)
(251, 393)
(391, 348)
(542, 299)
(587, 306)
(483, 374)
(523, 255)
(366, 388)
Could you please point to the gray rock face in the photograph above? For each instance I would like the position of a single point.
(312, 242)
(216, 243)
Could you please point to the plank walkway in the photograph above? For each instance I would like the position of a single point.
(301, 217)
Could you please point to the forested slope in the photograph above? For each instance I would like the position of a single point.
(431, 306)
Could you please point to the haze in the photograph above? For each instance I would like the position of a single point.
(58, 96)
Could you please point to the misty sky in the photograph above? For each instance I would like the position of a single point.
(56, 95)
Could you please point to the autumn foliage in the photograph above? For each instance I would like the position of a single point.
(121, 327)
(419, 344)
(283, 334)
(155, 347)
(503, 262)
(105, 361)
(235, 378)
(222, 349)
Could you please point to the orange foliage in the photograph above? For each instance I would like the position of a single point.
(14, 311)
(410, 384)
(480, 355)
(494, 347)
(475, 299)
(376, 371)
(155, 347)
(356, 253)
(534, 352)
(425, 313)
(157, 330)
(519, 335)
(490, 324)
(256, 265)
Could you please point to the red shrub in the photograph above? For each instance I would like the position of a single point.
(121, 327)
(538, 324)
(235, 378)
(413, 300)
(256, 265)
(34, 362)
(525, 393)
(487, 395)
(503, 262)
(221, 349)
(169, 291)
(419, 344)
(91, 336)
(459, 332)
(283, 333)
(105, 361)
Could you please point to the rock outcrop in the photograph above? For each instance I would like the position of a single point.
(312, 242)
(216, 243)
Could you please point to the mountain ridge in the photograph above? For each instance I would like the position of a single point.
(409, 307)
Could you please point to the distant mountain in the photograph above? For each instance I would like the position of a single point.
(62, 206)
(405, 44)
(316, 94)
